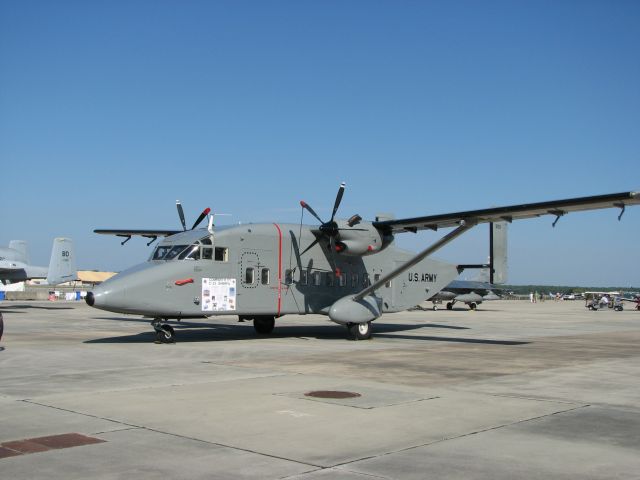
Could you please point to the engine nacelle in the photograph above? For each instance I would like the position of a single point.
(346, 310)
(360, 239)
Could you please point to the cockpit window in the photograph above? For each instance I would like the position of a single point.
(181, 252)
(174, 252)
(160, 253)
(191, 253)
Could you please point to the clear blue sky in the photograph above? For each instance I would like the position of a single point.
(110, 111)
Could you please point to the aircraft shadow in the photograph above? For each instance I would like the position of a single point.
(453, 339)
(203, 332)
(36, 307)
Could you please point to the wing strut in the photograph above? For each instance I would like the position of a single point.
(464, 226)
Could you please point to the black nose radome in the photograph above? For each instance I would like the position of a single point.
(89, 299)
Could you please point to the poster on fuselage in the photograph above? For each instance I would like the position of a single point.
(218, 294)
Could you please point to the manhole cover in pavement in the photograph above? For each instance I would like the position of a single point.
(331, 394)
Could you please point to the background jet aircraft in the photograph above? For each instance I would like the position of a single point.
(349, 270)
(14, 263)
(471, 292)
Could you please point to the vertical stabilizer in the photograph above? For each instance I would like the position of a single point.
(498, 252)
(62, 266)
(20, 246)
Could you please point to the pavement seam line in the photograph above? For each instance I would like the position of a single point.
(488, 429)
(140, 427)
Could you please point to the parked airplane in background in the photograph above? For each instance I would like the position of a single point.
(471, 292)
(14, 263)
(349, 270)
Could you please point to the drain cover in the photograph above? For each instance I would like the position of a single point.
(331, 394)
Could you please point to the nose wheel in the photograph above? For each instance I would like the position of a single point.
(164, 332)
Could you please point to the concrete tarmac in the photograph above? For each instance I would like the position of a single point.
(513, 390)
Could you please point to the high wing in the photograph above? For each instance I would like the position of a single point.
(142, 233)
(152, 234)
(556, 208)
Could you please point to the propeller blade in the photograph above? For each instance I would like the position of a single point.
(338, 200)
(309, 247)
(181, 214)
(306, 206)
(204, 213)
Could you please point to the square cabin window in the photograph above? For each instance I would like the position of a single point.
(288, 276)
(342, 279)
(317, 279)
(330, 279)
(264, 276)
(249, 276)
(222, 254)
(304, 277)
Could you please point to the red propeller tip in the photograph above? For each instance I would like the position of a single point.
(206, 211)
(303, 204)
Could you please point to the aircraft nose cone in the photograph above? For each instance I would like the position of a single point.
(90, 299)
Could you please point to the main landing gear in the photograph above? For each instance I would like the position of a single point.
(164, 331)
(264, 324)
(359, 331)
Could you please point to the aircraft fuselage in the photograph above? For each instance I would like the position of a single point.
(262, 270)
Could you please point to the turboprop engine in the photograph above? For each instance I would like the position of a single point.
(360, 238)
(349, 237)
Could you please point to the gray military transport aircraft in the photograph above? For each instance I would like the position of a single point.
(349, 270)
(15, 267)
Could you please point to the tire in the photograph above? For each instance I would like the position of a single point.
(473, 305)
(165, 334)
(449, 306)
(359, 331)
(264, 325)
(435, 308)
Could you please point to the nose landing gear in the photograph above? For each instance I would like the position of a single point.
(164, 331)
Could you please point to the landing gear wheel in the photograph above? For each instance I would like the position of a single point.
(473, 305)
(359, 331)
(165, 334)
(449, 306)
(264, 325)
(435, 308)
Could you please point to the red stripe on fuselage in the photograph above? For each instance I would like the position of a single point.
(279, 268)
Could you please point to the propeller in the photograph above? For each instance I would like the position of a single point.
(204, 213)
(181, 214)
(201, 217)
(329, 228)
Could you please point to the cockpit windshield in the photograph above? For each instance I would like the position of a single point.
(184, 252)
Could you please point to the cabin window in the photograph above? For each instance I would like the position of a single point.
(304, 277)
(388, 284)
(354, 279)
(317, 279)
(264, 276)
(249, 276)
(206, 241)
(288, 276)
(365, 280)
(222, 254)
(330, 279)
(342, 279)
(207, 253)
(376, 277)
